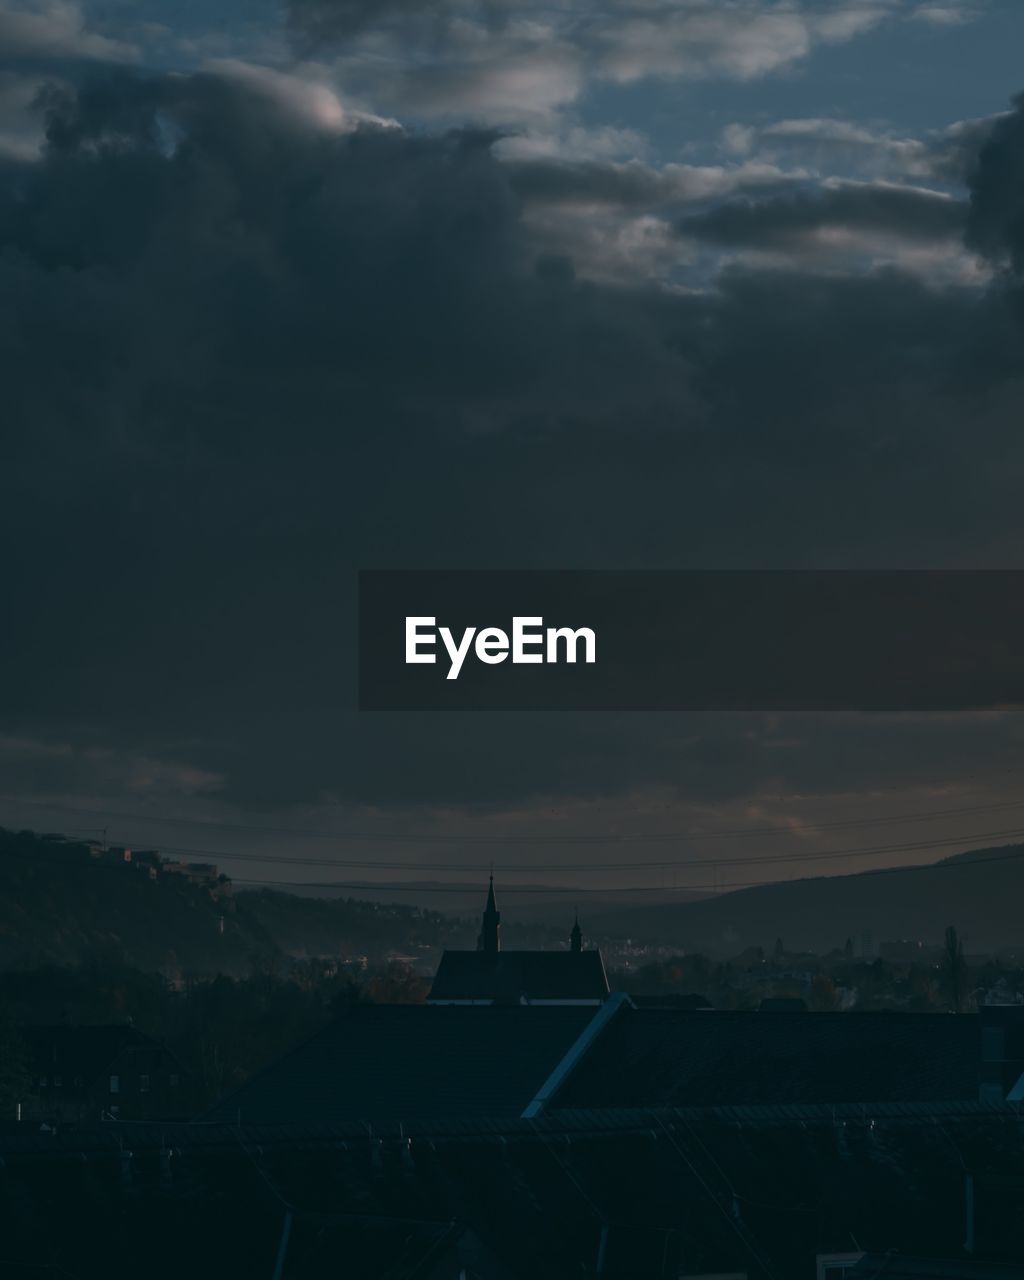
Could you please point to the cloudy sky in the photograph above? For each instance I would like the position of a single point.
(286, 291)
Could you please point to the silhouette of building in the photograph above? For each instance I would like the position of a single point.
(102, 1072)
(489, 975)
(490, 931)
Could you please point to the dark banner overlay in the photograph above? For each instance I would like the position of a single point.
(691, 640)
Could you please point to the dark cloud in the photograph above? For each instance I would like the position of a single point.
(503, 59)
(857, 207)
(634, 185)
(996, 181)
(317, 22)
(246, 354)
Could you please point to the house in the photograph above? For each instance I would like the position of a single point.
(490, 975)
(201, 873)
(81, 1074)
(204, 875)
(147, 861)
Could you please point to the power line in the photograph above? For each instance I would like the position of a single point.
(509, 890)
(415, 887)
(372, 837)
(377, 864)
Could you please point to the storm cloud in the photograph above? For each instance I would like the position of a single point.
(904, 212)
(250, 348)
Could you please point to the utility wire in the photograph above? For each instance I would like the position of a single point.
(376, 864)
(510, 890)
(601, 837)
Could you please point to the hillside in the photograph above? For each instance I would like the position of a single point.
(60, 904)
(349, 927)
(980, 892)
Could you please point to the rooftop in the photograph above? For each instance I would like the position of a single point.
(511, 976)
(675, 1192)
(672, 1057)
(400, 1063)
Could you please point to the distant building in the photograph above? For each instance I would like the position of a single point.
(104, 852)
(84, 1074)
(204, 875)
(147, 861)
(489, 975)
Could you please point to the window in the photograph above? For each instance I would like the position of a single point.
(172, 1080)
(115, 1084)
(42, 1082)
(143, 1084)
(58, 1081)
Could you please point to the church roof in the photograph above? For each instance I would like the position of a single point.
(509, 976)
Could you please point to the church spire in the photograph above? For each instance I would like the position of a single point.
(490, 933)
(576, 937)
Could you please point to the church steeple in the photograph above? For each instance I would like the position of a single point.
(490, 933)
(576, 937)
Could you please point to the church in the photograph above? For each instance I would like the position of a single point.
(490, 976)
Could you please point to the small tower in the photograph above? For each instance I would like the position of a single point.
(576, 937)
(490, 932)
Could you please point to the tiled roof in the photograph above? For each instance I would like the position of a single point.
(669, 1195)
(662, 1057)
(510, 975)
(392, 1064)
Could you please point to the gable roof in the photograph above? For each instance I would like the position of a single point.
(386, 1064)
(668, 1057)
(509, 976)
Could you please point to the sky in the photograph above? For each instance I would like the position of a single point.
(287, 291)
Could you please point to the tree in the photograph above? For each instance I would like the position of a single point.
(397, 983)
(955, 970)
(824, 994)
